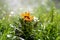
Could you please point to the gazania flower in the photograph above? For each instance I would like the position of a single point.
(26, 16)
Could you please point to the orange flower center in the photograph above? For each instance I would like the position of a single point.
(26, 16)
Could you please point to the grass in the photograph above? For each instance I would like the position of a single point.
(48, 27)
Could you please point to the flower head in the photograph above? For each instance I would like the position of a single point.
(26, 16)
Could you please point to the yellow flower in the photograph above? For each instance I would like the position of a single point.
(26, 16)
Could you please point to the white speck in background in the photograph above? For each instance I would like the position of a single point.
(9, 35)
(11, 26)
(39, 30)
(14, 37)
(3, 18)
(12, 12)
(38, 39)
(21, 38)
(36, 19)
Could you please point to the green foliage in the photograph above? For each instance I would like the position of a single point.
(47, 28)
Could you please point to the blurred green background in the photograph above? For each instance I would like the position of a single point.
(47, 10)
